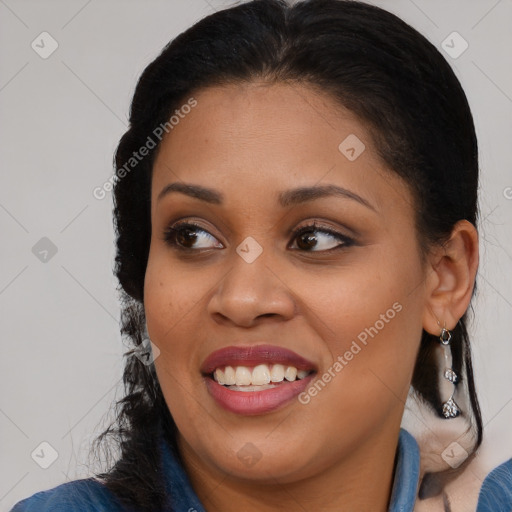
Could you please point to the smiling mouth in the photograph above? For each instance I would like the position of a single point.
(257, 378)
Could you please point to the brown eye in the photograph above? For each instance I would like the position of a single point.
(306, 240)
(188, 236)
(314, 238)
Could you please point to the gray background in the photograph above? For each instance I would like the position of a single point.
(61, 120)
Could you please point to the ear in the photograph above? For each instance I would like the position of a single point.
(450, 278)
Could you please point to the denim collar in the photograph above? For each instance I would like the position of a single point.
(407, 474)
(182, 497)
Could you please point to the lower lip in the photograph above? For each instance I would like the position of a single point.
(256, 402)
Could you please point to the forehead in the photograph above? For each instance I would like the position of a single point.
(250, 116)
(261, 136)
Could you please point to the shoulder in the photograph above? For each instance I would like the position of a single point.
(87, 495)
(496, 492)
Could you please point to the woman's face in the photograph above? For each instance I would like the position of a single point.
(341, 302)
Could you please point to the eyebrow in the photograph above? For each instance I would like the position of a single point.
(287, 198)
(204, 194)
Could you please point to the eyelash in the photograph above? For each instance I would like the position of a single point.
(172, 231)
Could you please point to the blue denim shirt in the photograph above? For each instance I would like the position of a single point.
(89, 495)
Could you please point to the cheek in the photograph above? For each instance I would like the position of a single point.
(169, 299)
(372, 326)
(173, 292)
(363, 300)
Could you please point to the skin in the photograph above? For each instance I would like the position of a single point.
(250, 142)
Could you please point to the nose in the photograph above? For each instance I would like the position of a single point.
(251, 293)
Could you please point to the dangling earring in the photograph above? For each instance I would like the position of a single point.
(450, 408)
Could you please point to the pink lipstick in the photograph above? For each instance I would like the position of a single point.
(257, 379)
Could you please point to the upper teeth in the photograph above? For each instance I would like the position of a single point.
(259, 375)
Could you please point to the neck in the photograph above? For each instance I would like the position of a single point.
(361, 481)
